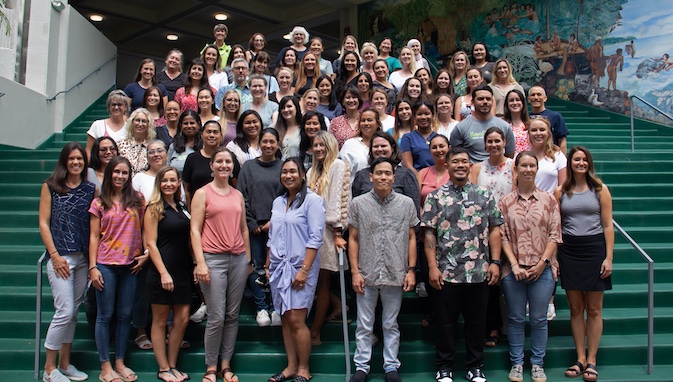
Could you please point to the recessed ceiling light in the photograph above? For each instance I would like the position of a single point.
(221, 16)
(96, 18)
(172, 37)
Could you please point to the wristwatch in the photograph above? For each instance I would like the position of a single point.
(547, 262)
(496, 262)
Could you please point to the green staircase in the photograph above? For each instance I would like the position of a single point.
(642, 187)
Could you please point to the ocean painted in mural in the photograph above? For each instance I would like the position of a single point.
(596, 52)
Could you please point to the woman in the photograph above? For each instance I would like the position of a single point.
(403, 120)
(299, 38)
(368, 54)
(117, 104)
(256, 45)
(380, 103)
(433, 177)
(308, 74)
(516, 113)
(104, 148)
(345, 126)
(266, 109)
(139, 133)
(345, 76)
(330, 179)
(115, 257)
(196, 80)
(310, 100)
(315, 46)
(551, 161)
(187, 140)
(530, 236)
(503, 82)
(229, 114)
(349, 44)
(295, 237)
(413, 90)
(398, 77)
(168, 131)
(157, 157)
(385, 47)
(481, 60)
(152, 102)
(246, 144)
(445, 122)
(495, 174)
(169, 282)
(285, 78)
(211, 58)
(442, 84)
(221, 248)
(311, 123)
(172, 77)
(196, 173)
(415, 47)
(381, 81)
(144, 79)
(355, 151)
(585, 258)
(426, 80)
(237, 51)
(260, 66)
(328, 106)
(259, 184)
(415, 145)
(464, 105)
(458, 67)
(288, 126)
(288, 59)
(363, 82)
(64, 228)
(206, 102)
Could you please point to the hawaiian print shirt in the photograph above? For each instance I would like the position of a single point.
(461, 217)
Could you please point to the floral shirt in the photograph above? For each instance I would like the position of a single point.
(135, 152)
(461, 216)
(521, 138)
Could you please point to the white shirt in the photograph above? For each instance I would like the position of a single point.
(547, 172)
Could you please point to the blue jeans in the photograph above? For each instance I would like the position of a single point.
(141, 308)
(537, 295)
(118, 281)
(258, 256)
(391, 301)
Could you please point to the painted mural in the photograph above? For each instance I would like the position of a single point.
(596, 52)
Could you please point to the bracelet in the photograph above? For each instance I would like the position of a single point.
(94, 267)
(304, 266)
(303, 271)
(55, 251)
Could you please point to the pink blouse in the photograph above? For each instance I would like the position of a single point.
(341, 129)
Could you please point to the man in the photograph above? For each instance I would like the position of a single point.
(382, 254)
(240, 68)
(460, 222)
(615, 60)
(596, 61)
(469, 133)
(221, 31)
(537, 98)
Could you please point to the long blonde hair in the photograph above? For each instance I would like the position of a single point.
(156, 204)
(550, 148)
(318, 180)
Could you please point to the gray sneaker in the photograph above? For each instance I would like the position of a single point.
(54, 376)
(516, 373)
(538, 375)
(73, 374)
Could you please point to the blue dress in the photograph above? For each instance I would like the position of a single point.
(292, 231)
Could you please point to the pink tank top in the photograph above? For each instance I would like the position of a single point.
(222, 224)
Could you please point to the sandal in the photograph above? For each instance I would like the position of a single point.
(590, 373)
(161, 374)
(491, 341)
(206, 377)
(299, 378)
(143, 342)
(222, 374)
(180, 374)
(112, 376)
(127, 375)
(575, 370)
(280, 377)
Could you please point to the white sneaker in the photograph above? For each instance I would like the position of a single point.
(275, 319)
(516, 373)
(551, 312)
(200, 313)
(263, 318)
(537, 373)
(73, 374)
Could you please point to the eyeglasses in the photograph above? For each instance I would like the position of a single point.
(240, 68)
(155, 152)
(107, 150)
(141, 120)
(113, 105)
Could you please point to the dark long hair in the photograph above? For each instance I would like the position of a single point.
(213, 108)
(139, 75)
(341, 81)
(217, 60)
(524, 108)
(395, 155)
(56, 180)
(203, 82)
(593, 180)
(179, 143)
(281, 124)
(305, 142)
(301, 195)
(274, 132)
(94, 162)
(160, 106)
(130, 198)
(332, 97)
(241, 140)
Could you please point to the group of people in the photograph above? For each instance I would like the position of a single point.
(239, 179)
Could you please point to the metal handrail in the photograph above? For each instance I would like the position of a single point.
(633, 141)
(344, 311)
(650, 294)
(83, 79)
(38, 315)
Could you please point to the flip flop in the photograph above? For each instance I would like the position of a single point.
(161, 376)
(575, 370)
(180, 374)
(127, 375)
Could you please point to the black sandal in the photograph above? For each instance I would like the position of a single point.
(160, 372)
(590, 373)
(206, 376)
(571, 372)
(491, 341)
(299, 378)
(280, 377)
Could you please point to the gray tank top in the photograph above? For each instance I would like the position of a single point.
(581, 214)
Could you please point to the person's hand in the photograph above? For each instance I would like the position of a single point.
(409, 281)
(201, 274)
(299, 280)
(167, 282)
(96, 279)
(436, 280)
(60, 265)
(265, 227)
(140, 262)
(606, 268)
(358, 283)
(340, 243)
(493, 274)
(535, 272)
(519, 273)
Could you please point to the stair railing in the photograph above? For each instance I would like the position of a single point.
(38, 315)
(650, 294)
(344, 312)
(83, 79)
(633, 141)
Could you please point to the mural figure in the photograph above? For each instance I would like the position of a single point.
(631, 49)
(615, 59)
(596, 60)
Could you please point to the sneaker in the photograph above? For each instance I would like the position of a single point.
(263, 318)
(516, 373)
(275, 319)
(444, 375)
(73, 374)
(538, 374)
(421, 291)
(200, 313)
(359, 376)
(475, 375)
(551, 312)
(54, 376)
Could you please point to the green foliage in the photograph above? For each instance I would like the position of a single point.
(3, 17)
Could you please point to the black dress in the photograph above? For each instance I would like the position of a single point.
(173, 244)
